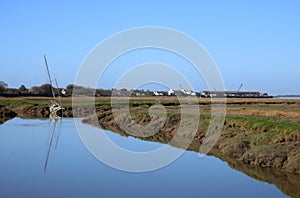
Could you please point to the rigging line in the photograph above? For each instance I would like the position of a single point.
(56, 84)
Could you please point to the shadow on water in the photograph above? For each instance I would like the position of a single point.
(288, 183)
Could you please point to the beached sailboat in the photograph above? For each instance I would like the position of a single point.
(55, 108)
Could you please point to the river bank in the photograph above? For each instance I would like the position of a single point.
(29, 107)
(261, 133)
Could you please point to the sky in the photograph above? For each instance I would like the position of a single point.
(255, 43)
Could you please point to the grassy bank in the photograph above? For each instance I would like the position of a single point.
(258, 132)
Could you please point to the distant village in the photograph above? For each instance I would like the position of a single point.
(45, 91)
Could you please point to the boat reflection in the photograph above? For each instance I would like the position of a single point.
(55, 127)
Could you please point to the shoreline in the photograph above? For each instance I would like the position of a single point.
(261, 144)
(265, 122)
(258, 132)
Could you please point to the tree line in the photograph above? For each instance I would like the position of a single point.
(45, 90)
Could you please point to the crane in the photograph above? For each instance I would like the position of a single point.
(240, 87)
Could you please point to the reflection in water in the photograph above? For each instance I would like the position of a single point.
(6, 114)
(73, 172)
(54, 129)
(287, 182)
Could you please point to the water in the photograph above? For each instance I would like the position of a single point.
(290, 98)
(73, 171)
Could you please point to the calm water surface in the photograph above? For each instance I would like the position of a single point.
(72, 171)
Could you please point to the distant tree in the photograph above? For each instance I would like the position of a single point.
(23, 89)
(124, 92)
(5, 85)
(69, 89)
(34, 90)
(80, 90)
(149, 93)
(2, 88)
(44, 90)
(70, 86)
(11, 92)
(103, 92)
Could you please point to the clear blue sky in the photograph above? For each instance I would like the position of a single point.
(256, 43)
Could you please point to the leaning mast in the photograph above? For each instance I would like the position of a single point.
(52, 90)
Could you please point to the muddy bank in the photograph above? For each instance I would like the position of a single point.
(259, 133)
(26, 109)
(6, 114)
(257, 142)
